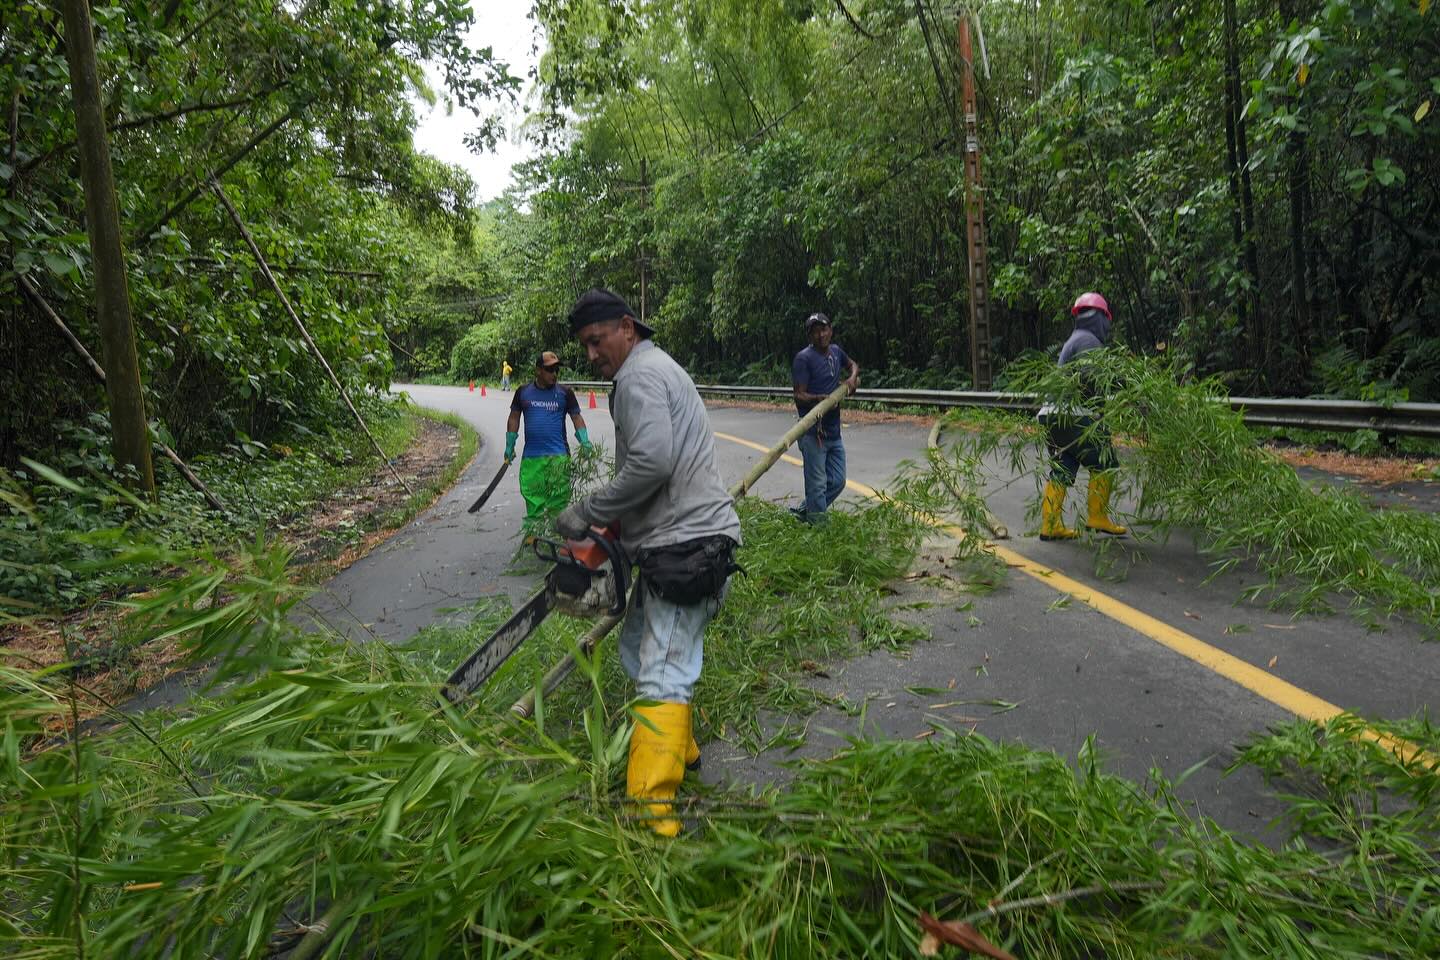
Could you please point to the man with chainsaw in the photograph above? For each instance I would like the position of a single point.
(1075, 438)
(675, 521)
(545, 465)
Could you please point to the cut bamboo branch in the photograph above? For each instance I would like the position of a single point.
(793, 434)
(525, 706)
(99, 373)
(1065, 896)
(997, 529)
(304, 331)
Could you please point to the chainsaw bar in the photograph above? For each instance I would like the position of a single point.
(468, 677)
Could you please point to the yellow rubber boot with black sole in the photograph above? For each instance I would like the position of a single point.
(692, 752)
(658, 750)
(1102, 485)
(1052, 514)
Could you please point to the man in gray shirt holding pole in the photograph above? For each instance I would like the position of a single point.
(675, 520)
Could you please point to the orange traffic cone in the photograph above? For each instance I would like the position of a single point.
(482, 389)
(592, 399)
(472, 386)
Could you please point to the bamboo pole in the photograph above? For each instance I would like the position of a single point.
(304, 332)
(99, 373)
(220, 171)
(997, 529)
(525, 706)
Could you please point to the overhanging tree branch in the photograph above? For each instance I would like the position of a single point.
(304, 332)
(214, 175)
(153, 118)
(853, 22)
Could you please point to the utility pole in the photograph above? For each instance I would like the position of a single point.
(102, 221)
(980, 367)
(644, 261)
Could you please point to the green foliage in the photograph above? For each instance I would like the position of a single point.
(326, 781)
(60, 528)
(746, 163)
(336, 198)
(479, 354)
(1193, 465)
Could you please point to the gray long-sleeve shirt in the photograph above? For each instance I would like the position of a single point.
(666, 488)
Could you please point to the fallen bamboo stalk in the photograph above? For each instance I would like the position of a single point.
(220, 171)
(997, 529)
(792, 435)
(304, 332)
(525, 706)
(99, 373)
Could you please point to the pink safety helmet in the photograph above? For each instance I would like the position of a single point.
(1091, 300)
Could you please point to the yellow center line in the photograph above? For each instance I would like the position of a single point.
(1262, 683)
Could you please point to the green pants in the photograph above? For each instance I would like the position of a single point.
(545, 485)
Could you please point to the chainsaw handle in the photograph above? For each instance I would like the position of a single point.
(550, 552)
(617, 563)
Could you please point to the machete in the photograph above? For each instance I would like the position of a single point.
(505, 465)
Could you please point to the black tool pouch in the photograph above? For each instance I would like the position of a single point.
(689, 573)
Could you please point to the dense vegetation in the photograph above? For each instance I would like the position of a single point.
(1313, 548)
(328, 783)
(305, 113)
(1254, 186)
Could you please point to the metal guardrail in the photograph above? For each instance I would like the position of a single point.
(1399, 419)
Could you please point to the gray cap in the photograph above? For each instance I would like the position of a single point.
(815, 318)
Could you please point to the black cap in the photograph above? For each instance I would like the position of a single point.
(597, 305)
(815, 318)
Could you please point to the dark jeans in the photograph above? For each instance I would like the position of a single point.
(824, 473)
(1077, 442)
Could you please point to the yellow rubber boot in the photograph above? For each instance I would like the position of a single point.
(1102, 485)
(692, 752)
(1052, 514)
(657, 761)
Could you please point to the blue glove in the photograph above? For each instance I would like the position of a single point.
(510, 439)
(583, 435)
(570, 524)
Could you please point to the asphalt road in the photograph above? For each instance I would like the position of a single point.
(1074, 670)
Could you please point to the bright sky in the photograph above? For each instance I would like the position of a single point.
(503, 25)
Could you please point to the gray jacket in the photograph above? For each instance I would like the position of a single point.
(666, 489)
(1092, 331)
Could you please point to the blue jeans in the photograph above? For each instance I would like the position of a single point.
(662, 645)
(824, 472)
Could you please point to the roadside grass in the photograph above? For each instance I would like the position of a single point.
(1192, 464)
(56, 530)
(323, 780)
(87, 546)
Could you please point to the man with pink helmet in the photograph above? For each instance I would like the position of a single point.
(1075, 439)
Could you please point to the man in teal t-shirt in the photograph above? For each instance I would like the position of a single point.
(545, 465)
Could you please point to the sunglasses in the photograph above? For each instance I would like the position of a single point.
(553, 368)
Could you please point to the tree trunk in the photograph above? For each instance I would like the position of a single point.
(1298, 186)
(1240, 166)
(102, 220)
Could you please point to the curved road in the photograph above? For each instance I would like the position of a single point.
(1166, 671)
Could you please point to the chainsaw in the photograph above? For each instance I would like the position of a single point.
(587, 579)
